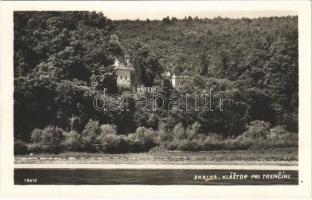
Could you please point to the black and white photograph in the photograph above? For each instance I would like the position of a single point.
(161, 97)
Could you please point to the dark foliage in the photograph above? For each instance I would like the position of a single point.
(62, 60)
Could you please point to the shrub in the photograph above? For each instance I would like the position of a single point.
(173, 145)
(179, 132)
(35, 148)
(260, 143)
(49, 139)
(188, 145)
(257, 129)
(241, 142)
(52, 136)
(76, 124)
(72, 141)
(287, 140)
(20, 147)
(163, 136)
(276, 132)
(259, 136)
(146, 119)
(189, 139)
(89, 136)
(107, 129)
(109, 142)
(113, 143)
(142, 140)
(192, 131)
(211, 142)
(232, 144)
(36, 135)
(292, 138)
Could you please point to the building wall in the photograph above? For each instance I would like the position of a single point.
(123, 77)
(173, 81)
(178, 80)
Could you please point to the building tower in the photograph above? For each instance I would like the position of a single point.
(124, 73)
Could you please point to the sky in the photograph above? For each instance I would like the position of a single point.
(133, 15)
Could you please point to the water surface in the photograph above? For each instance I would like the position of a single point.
(152, 177)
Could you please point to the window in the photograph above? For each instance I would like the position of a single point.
(126, 77)
(120, 77)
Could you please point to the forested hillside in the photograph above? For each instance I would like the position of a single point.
(257, 54)
(62, 60)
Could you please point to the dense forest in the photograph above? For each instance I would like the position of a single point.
(62, 60)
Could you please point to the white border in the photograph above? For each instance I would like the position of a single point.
(7, 188)
(145, 166)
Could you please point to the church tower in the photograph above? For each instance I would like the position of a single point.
(124, 73)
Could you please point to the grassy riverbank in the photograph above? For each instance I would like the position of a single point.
(281, 156)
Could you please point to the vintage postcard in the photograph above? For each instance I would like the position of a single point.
(169, 99)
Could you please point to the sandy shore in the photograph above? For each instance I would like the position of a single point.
(273, 157)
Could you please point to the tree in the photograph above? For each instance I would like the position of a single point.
(33, 105)
(257, 129)
(57, 53)
(63, 59)
(166, 20)
(142, 140)
(204, 64)
(89, 136)
(66, 64)
(110, 142)
(178, 131)
(72, 141)
(48, 139)
(104, 78)
(147, 66)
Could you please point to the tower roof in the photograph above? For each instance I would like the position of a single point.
(123, 66)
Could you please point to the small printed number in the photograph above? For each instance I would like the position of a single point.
(30, 180)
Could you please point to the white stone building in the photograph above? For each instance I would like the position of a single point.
(125, 73)
(178, 79)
